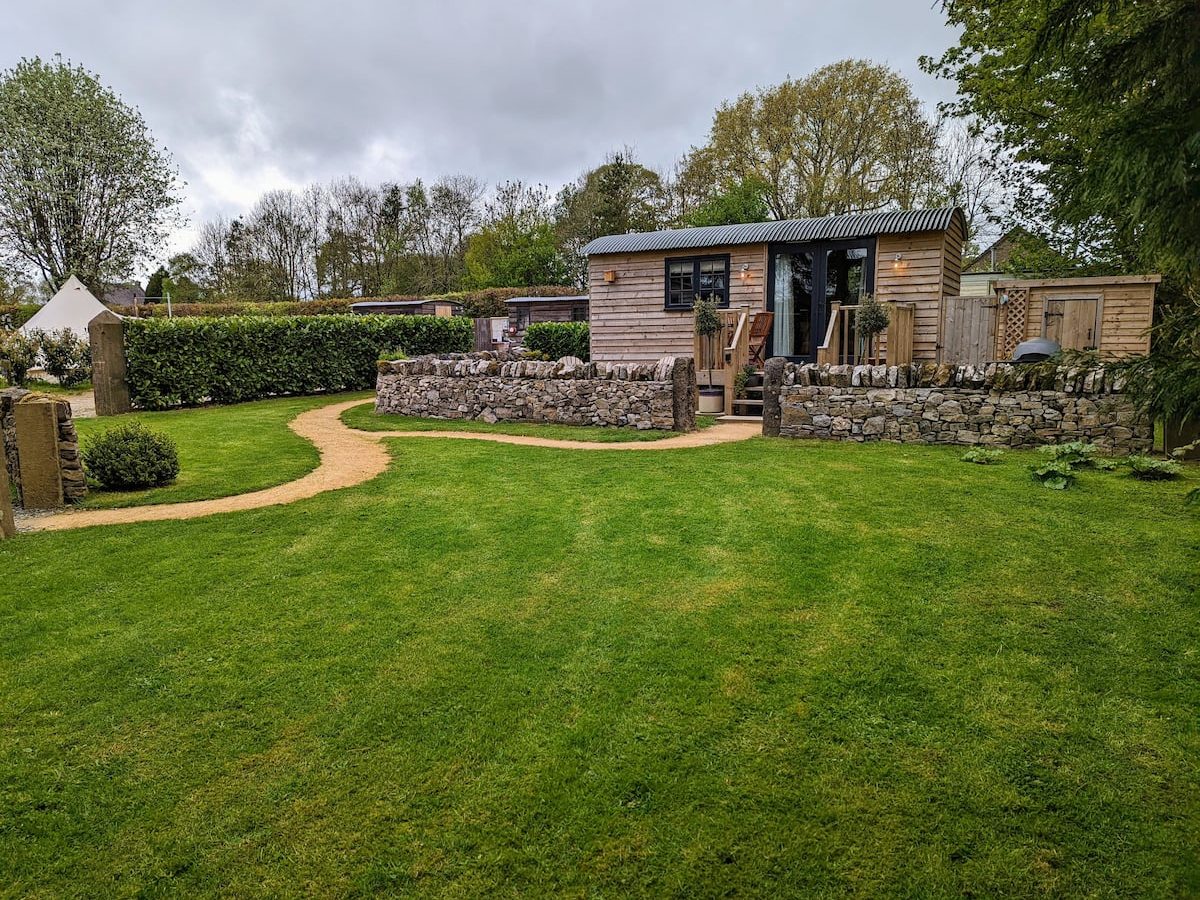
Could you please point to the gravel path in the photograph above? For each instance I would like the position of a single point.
(350, 457)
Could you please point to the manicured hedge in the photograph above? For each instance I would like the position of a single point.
(173, 362)
(559, 339)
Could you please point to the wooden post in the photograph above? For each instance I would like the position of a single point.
(8, 526)
(110, 385)
(37, 447)
(483, 333)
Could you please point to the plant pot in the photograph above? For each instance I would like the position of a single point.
(712, 400)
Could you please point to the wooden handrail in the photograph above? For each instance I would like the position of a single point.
(832, 346)
(737, 335)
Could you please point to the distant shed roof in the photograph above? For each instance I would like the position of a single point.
(826, 228)
(578, 298)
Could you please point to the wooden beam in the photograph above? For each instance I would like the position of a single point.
(1069, 283)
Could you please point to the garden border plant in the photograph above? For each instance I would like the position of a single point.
(559, 339)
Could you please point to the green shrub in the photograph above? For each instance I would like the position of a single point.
(67, 357)
(982, 456)
(174, 362)
(1147, 468)
(1058, 474)
(14, 315)
(483, 302)
(18, 354)
(1075, 453)
(559, 339)
(131, 456)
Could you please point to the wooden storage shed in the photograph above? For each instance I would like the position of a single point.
(808, 273)
(1111, 314)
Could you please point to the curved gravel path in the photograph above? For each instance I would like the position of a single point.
(350, 457)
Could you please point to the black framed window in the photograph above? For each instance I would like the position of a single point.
(689, 277)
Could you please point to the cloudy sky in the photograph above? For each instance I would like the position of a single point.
(259, 94)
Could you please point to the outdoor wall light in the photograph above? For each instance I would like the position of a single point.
(898, 261)
(610, 276)
(745, 271)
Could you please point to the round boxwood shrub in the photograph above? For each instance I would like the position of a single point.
(131, 456)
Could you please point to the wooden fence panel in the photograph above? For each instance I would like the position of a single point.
(968, 330)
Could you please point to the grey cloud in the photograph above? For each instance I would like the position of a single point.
(248, 95)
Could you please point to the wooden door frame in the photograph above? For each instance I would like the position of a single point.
(817, 318)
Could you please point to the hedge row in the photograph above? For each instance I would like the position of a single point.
(248, 308)
(173, 362)
(559, 339)
(14, 315)
(485, 302)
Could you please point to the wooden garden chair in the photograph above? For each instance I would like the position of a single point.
(760, 329)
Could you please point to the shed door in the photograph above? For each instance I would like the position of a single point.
(1073, 321)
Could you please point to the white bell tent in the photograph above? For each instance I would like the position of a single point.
(72, 307)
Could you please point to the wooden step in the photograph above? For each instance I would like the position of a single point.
(747, 403)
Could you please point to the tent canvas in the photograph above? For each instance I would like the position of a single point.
(72, 307)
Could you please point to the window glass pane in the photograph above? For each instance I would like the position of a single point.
(845, 274)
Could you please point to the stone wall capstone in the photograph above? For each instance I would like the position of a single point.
(74, 483)
(492, 387)
(995, 405)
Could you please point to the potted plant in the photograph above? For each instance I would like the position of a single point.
(708, 326)
(869, 322)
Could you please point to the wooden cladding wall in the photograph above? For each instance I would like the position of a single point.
(925, 265)
(628, 322)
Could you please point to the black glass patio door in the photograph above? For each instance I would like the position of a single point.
(805, 280)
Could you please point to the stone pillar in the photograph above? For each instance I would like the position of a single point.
(8, 527)
(110, 386)
(683, 394)
(37, 448)
(772, 386)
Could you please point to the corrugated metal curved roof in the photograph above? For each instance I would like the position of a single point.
(826, 228)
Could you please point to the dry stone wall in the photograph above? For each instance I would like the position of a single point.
(994, 405)
(493, 387)
(70, 462)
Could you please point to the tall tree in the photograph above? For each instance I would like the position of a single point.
(616, 197)
(850, 137)
(516, 246)
(83, 188)
(742, 201)
(1098, 103)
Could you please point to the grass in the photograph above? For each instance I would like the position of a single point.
(222, 450)
(771, 668)
(52, 387)
(364, 418)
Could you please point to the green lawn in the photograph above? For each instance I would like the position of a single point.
(222, 451)
(770, 668)
(364, 418)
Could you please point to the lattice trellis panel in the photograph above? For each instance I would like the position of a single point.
(1011, 330)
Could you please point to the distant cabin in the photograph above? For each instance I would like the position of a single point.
(980, 274)
(524, 311)
(422, 307)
